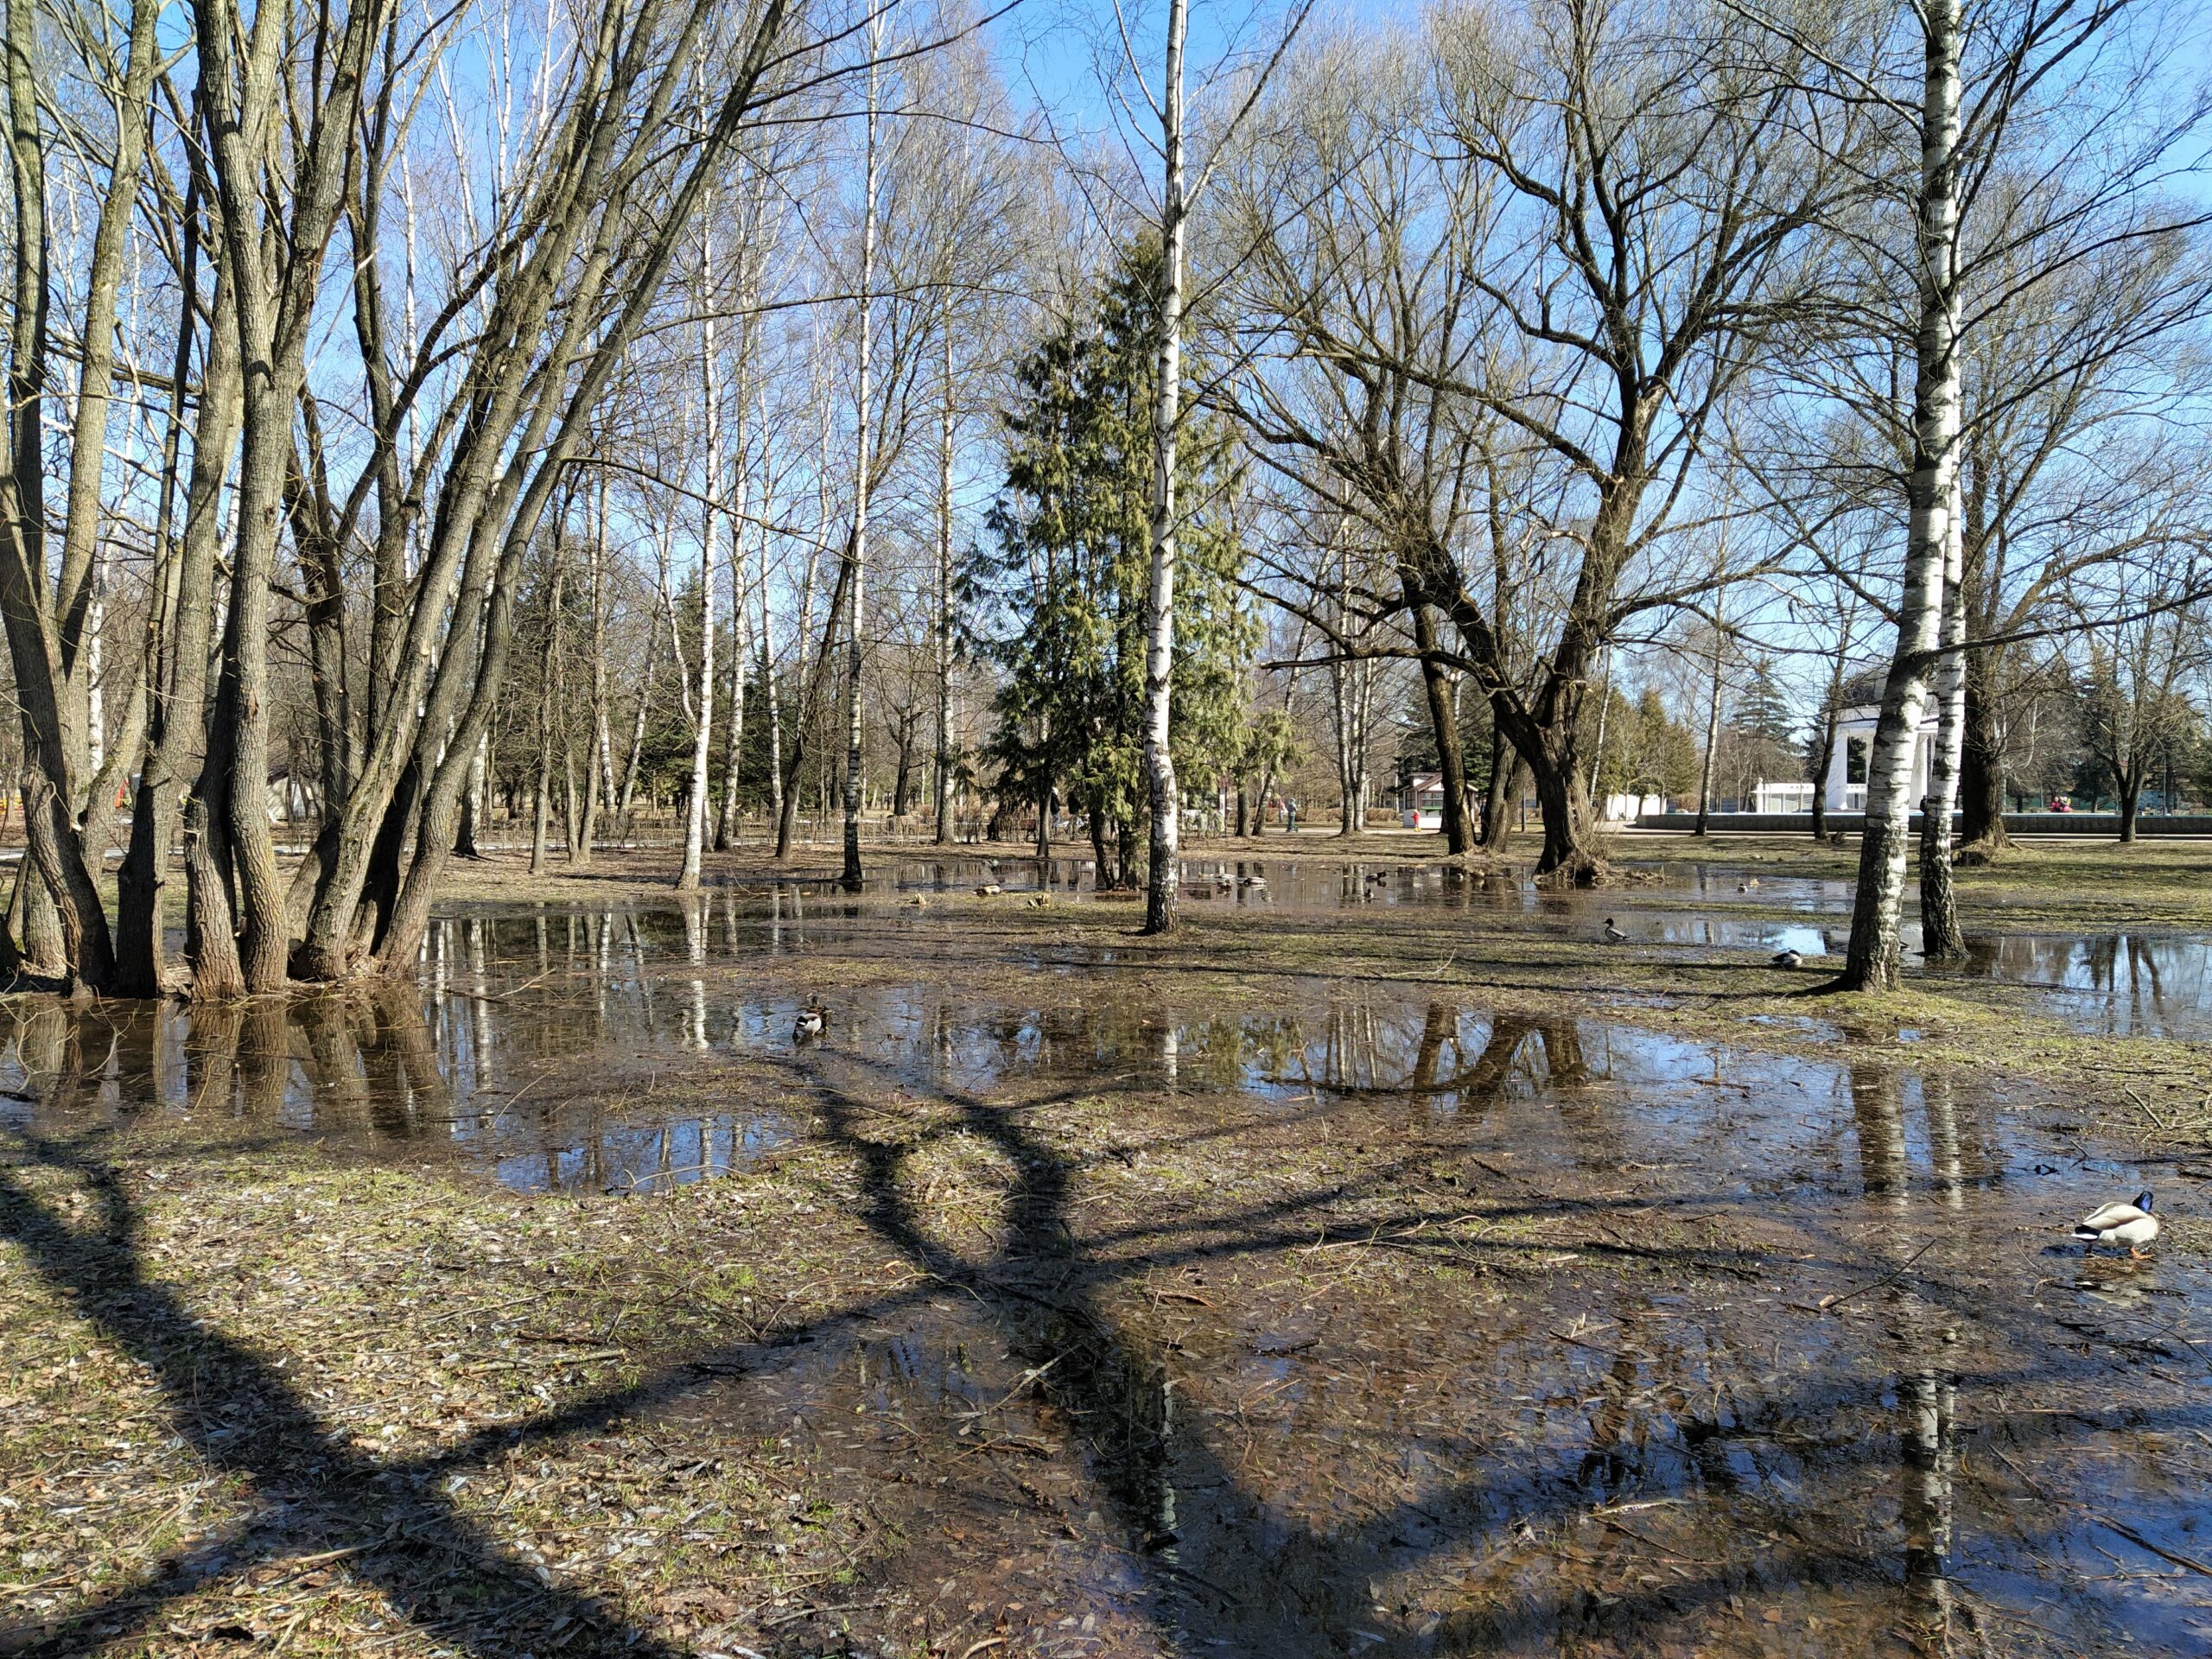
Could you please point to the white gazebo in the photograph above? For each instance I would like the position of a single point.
(1844, 790)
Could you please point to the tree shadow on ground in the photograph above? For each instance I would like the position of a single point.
(1209, 1548)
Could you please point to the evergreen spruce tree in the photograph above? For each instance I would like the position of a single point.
(1068, 567)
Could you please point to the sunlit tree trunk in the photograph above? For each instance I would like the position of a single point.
(741, 653)
(1711, 739)
(1159, 598)
(1941, 939)
(1873, 960)
(544, 807)
(943, 632)
(703, 701)
(864, 413)
(597, 767)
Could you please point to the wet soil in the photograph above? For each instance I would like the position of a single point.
(1327, 1283)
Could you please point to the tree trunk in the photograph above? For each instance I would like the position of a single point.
(863, 406)
(1981, 760)
(1941, 939)
(1105, 877)
(1873, 960)
(1711, 742)
(598, 764)
(467, 842)
(1566, 860)
(703, 701)
(631, 766)
(768, 691)
(943, 779)
(177, 651)
(1443, 723)
(1162, 887)
(1506, 772)
(2130, 785)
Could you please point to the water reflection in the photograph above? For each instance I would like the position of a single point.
(378, 1071)
(1380, 1322)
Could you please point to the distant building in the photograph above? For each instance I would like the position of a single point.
(1420, 801)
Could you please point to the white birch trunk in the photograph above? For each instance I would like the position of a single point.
(703, 703)
(1940, 938)
(863, 401)
(768, 636)
(1159, 599)
(1873, 959)
(943, 630)
(740, 650)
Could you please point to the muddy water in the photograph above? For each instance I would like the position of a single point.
(2107, 985)
(1489, 1336)
(1361, 1321)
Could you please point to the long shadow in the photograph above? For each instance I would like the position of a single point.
(1277, 1586)
(315, 1491)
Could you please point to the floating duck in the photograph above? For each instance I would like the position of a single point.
(2131, 1224)
(809, 1023)
(1789, 959)
(990, 890)
(1613, 935)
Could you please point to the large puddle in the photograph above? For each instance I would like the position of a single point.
(1362, 1321)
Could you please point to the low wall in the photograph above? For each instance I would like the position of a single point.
(2016, 823)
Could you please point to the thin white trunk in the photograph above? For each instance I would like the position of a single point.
(863, 401)
(1940, 938)
(1159, 599)
(1874, 956)
(943, 630)
(703, 703)
(740, 653)
(768, 637)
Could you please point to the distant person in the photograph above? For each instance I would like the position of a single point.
(1290, 818)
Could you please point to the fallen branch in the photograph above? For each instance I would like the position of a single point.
(1828, 1302)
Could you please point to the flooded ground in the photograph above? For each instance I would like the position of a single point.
(1341, 1319)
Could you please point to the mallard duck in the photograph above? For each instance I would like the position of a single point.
(1035, 901)
(2131, 1224)
(1613, 935)
(990, 890)
(1789, 959)
(808, 1026)
(1223, 884)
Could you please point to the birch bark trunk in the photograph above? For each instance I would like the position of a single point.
(598, 765)
(1873, 960)
(1159, 599)
(702, 709)
(1941, 939)
(863, 401)
(1711, 742)
(944, 629)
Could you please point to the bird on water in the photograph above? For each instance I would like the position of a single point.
(2131, 1224)
(808, 1026)
(1613, 935)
